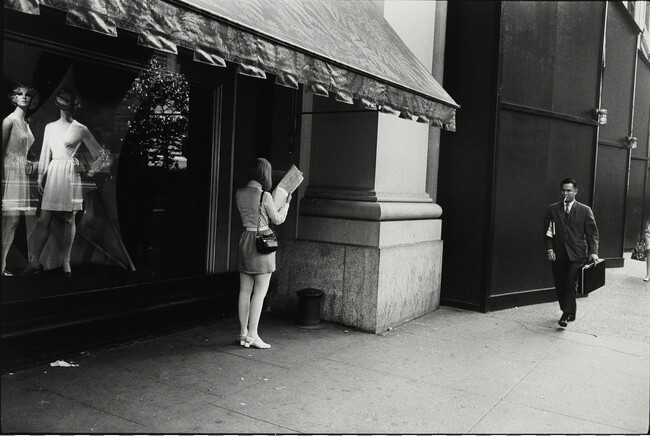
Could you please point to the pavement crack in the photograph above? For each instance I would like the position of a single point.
(89, 405)
(503, 397)
(526, 326)
(555, 412)
(565, 339)
(292, 430)
(412, 380)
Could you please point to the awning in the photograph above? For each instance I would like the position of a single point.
(330, 46)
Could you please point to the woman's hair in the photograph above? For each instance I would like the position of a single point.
(33, 93)
(260, 170)
(67, 99)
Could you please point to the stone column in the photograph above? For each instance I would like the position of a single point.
(369, 235)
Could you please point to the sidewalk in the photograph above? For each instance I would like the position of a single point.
(451, 371)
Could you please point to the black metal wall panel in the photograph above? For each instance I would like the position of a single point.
(527, 41)
(549, 88)
(609, 202)
(534, 154)
(620, 58)
(637, 196)
(577, 57)
(466, 155)
(549, 62)
(613, 161)
(550, 55)
(642, 108)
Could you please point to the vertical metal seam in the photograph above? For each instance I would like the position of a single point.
(232, 172)
(631, 133)
(214, 184)
(487, 261)
(603, 49)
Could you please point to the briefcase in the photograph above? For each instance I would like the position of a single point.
(591, 277)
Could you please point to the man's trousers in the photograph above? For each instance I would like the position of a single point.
(565, 276)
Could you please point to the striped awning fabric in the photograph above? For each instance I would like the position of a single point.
(345, 48)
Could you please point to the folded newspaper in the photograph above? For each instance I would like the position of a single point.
(550, 231)
(289, 183)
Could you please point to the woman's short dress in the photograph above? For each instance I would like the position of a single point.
(16, 198)
(249, 260)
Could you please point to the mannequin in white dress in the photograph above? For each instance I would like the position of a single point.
(58, 177)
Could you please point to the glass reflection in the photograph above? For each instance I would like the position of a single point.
(159, 100)
(152, 189)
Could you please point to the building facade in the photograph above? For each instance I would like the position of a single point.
(182, 95)
(532, 78)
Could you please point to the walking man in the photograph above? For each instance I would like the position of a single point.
(571, 241)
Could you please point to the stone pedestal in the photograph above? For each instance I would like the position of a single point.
(370, 288)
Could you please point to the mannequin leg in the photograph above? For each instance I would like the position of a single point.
(69, 231)
(41, 233)
(9, 226)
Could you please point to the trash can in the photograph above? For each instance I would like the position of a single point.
(309, 302)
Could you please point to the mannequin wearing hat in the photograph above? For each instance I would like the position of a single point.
(58, 177)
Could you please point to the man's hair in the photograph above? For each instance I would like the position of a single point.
(571, 181)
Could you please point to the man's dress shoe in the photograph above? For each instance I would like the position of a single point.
(563, 320)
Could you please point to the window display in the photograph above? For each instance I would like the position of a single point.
(98, 175)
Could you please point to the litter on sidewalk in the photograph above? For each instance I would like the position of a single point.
(64, 364)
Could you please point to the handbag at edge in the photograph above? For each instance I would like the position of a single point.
(639, 252)
(265, 243)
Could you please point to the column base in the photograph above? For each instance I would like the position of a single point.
(370, 288)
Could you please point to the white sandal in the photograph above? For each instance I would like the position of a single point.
(256, 343)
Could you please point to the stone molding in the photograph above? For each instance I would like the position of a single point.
(378, 234)
(370, 210)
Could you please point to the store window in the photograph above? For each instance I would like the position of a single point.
(113, 159)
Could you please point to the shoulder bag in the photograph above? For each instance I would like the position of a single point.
(265, 243)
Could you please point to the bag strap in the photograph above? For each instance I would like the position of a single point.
(259, 219)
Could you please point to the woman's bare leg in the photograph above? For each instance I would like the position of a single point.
(246, 282)
(260, 289)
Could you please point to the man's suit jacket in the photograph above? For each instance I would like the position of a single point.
(578, 233)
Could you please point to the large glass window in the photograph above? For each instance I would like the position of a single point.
(143, 181)
(117, 189)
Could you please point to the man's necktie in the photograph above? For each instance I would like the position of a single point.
(566, 210)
